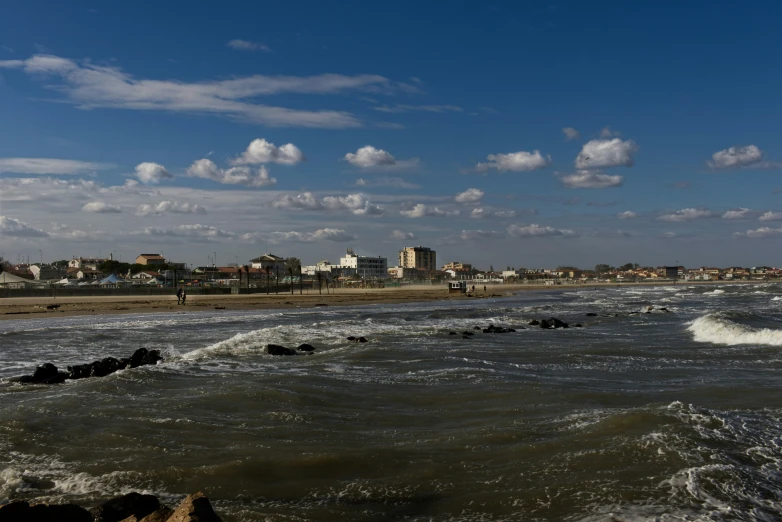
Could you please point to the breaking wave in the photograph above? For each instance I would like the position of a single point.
(722, 328)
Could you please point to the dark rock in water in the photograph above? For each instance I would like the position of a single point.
(351, 338)
(119, 508)
(105, 367)
(477, 328)
(535, 322)
(635, 313)
(137, 357)
(44, 372)
(452, 333)
(591, 314)
(466, 332)
(275, 349)
(161, 515)
(497, 329)
(306, 348)
(578, 325)
(80, 371)
(556, 323)
(23, 512)
(362, 340)
(543, 324)
(195, 508)
(665, 310)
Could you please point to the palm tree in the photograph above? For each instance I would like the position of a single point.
(246, 271)
(239, 270)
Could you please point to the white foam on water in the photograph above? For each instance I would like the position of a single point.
(777, 298)
(714, 292)
(711, 328)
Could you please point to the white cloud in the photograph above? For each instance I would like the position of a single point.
(535, 230)
(597, 154)
(173, 207)
(246, 45)
(627, 214)
(471, 195)
(196, 231)
(336, 235)
(771, 216)
(472, 235)
(607, 133)
(88, 85)
(735, 157)
(515, 162)
(386, 181)
(587, 179)
(488, 213)
(304, 201)
(402, 236)
(420, 210)
(261, 151)
(100, 207)
(43, 166)
(205, 168)
(686, 214)
(151, 173)
(14, 228)
(368, 157)
(736, 213)
(571, 133)
(761, 233)
(357, 204)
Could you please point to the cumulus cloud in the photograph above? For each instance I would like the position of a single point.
(737, 213)
(472, 235)
(536, 230)
(303, 201)
(771, 216)
(488, 213)
(14, 228)
(369, 157)
(402, 236)
(686, 214)
(246, 45)
(100, 207)
(336, 235)
(734, 157)
(43, 166)
(627, 214)
(261, 151)
(420, 210)
(386, 181)
(761, 233)
(243, 175)
(173, 207)
(423, 108)
(588, 179)
(195, 231)
(471, 195)
(515, 162)
(603, 154)
(571, 133)
(607, 133)
(88, 86)
(357, 204)
(151, 173)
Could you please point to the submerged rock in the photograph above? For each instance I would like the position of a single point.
(534, 322)
(276, 349)
(306, 348)
(591, 314)
(556, 323)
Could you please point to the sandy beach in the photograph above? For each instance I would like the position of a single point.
(40, 307)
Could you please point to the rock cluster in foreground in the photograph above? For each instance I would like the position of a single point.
(133, 507)
(49, 374)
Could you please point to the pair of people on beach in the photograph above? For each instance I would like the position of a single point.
(181, 295)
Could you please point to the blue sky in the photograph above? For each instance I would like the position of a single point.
(532, 134)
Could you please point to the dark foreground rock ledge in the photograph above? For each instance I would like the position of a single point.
(133, 507)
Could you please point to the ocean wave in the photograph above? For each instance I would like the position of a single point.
(716, 328)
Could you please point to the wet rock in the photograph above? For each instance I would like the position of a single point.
(80, 371)
(24, 512)
(276, 349)
(130, 505)
(543, 323)
(161, 515)
(351, 338)
(477, 328)
(195, 508)
(591, 314)
(578, 325)
(556, 323)
(362, 340)
(105, 367)
(452, 333)
(466, 332)
(306, 348)
(535, 322)
(497, 329)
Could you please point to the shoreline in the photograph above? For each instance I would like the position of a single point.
(22, 308)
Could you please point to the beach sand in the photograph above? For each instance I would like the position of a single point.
(36, 307)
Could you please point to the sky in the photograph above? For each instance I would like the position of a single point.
(524, 134)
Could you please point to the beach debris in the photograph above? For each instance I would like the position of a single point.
(52, 307)
(48, 373)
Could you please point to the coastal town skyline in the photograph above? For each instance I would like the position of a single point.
(535, 142)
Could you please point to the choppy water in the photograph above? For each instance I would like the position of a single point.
(635, 417)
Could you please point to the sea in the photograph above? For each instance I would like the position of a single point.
(659, 416)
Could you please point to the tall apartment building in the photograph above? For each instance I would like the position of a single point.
(366, 267)
(418, 257)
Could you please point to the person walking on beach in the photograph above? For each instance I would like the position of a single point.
(184, 296)
(179, 296)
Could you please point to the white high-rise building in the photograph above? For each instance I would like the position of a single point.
(366, 267)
